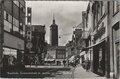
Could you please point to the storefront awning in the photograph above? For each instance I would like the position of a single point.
(94, 45)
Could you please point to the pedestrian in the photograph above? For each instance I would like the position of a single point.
(5, 65)
(87, 64)
(64, 62)
(36, 60)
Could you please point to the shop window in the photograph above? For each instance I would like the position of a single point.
(102, 8)
(6, 51)
(11, 56)
(115, 7)
(7, 17)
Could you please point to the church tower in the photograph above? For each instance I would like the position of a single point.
(54, 33)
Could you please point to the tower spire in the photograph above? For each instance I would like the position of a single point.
(53, 18)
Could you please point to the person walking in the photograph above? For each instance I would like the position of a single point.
(87, 65)
(64, 62)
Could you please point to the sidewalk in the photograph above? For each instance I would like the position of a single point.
(80, 73)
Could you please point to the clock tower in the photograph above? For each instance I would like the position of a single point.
(54, 33)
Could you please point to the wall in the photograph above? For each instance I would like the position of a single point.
(13, 42)
(112, 20)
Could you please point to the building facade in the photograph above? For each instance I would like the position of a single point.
(60, 55)
(38, 44)
(56, 54)
(13, 28)
(101, 22)
(114, 37)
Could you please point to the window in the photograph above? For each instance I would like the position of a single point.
(10, 18)
(22, 33)
(115, 7)
(7, 26)
(16, 2)
(101, 10)
(7, 17)
(117, 34)
(21, 26)
(4, 14)
(15, 29)
(15, 22)
(22, 8)
(8, 51)
(60, 55)
(7, 22)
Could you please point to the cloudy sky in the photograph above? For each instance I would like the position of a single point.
(67, 15)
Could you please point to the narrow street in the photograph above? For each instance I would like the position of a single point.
(55, 39)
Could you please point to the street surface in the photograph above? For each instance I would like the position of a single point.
(76, 73)
(73, 73)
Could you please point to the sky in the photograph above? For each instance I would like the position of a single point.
(68, 14)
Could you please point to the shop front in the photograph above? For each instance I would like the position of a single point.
(13, 48)
(99, 58)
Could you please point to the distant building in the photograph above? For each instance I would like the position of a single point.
(38, 42)
(56, 53)
(54, 34)
(38, 38)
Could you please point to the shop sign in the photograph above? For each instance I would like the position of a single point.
(100, 32)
